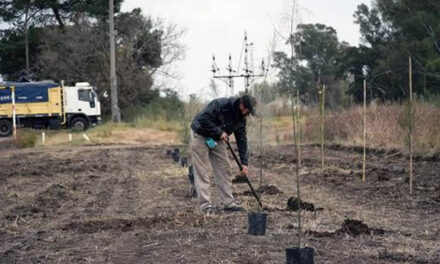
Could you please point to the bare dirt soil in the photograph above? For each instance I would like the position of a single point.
(6, 143)
(130, 204)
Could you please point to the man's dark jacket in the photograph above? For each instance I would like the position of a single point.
(223, 115)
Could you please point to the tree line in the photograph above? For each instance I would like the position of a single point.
(68, 40)
(391, 31)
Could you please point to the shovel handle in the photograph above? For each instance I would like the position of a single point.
(247, 179)
(234, 155)
(254, 192)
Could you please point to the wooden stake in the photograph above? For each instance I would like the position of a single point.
(86, 137)
(295, 139)
(322, 127)
(261, 141)
(364, 158)
(410, 128)
(298, 165)
(298, 120)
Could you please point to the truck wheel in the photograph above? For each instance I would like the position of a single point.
(54, 124)
(5, 128)
(79, 124)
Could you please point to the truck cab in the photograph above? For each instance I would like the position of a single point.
(81, 106)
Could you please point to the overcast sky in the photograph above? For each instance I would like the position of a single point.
(218, 26)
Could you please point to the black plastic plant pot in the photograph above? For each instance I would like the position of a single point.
(184, 162)
(176, 157)
(169, 153)
(176, 150)
(191, 174)
(300, 255)
(257, 224)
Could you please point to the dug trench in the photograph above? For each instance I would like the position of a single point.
(129, 204)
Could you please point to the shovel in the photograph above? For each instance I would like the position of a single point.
(247, 179)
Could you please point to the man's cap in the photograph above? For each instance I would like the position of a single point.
(249, 102)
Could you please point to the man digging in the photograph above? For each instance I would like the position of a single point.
(211, 128)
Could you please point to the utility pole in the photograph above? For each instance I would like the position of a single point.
(247, 75)
(116, 115)
(246, 63)
(231, 79)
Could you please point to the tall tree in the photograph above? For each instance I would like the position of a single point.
(391, 31)
(318, 46)
(83, 54)
(317, 60)
(23, 14)
(12, 52)
(56, 11)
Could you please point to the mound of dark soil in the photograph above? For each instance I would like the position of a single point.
(354, 228)
(383, 177)
(294, 203)
(239, 179)
(320, 234)
(350, 227)
(265, 189)
(269, 189)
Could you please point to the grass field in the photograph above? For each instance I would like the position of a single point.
(387, 128)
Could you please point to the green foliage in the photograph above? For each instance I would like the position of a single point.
(68, 41)
(318, 45)
(45, 12)
(81, 52)
(166, 113)
(26, 138)
(317, 60)
(168, 107)
(141, 36)
(391, 32)
(373, 31)
(291, 74)
(12, 51)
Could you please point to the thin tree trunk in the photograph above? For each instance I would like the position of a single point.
(322, 127)
(410, 128)
(26, 42)
(57, 15)
(116, 115)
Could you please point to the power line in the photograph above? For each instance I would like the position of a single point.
(247, 72)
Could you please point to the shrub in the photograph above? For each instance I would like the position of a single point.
(26, 138)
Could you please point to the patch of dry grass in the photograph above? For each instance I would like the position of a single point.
(110, 133)
(387, 127)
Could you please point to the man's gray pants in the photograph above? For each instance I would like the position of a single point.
(201, 157)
